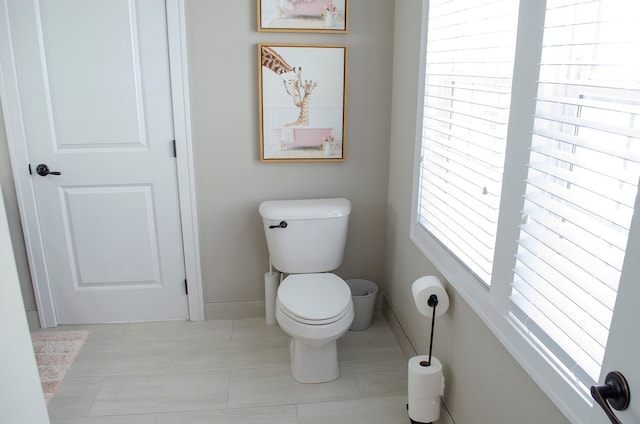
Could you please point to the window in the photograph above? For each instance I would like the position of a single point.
(582, 183)
(546, 229)
(469, 65)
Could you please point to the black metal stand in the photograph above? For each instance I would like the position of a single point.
(432, 302)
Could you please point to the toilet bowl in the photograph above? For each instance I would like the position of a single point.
(315, 310)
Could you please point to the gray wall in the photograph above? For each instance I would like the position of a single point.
(13, 220)
(231, 181)
(19, 380)
(484, 383)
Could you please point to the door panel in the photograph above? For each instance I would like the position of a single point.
(126, 217)
(623, 345)
(97, 72)
(96, 102)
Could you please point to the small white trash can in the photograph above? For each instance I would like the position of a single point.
(363, 294)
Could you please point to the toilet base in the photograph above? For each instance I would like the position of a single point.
(314, 364)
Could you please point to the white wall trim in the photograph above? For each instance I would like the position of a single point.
(19, 155)
(235, 309)
(178, 63)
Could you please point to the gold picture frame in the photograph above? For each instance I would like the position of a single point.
(302, 102)
(327, 16)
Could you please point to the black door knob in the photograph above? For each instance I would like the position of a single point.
(613, 393)
(43, 170)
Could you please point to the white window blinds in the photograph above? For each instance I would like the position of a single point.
(582, 182)
(469, 66)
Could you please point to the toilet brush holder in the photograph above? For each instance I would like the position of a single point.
(271, 281)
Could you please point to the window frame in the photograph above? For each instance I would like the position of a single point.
(491, 303)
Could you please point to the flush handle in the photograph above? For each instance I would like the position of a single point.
(613, 393)
(282, 224)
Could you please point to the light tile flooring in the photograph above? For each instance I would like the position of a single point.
(226, 371)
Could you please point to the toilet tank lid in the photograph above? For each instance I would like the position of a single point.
(305, 209)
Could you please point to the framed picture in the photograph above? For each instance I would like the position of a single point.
(303, 16)
(302, 101)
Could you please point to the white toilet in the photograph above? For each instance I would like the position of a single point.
(306, 239)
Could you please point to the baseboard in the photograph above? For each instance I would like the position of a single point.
(445, 417)
(33, 320)
(397, 330)
(234, 310)
(407, 348)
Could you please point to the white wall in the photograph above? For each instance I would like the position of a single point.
(21, 399)
(484, 383)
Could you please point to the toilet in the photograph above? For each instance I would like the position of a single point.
(306, 240)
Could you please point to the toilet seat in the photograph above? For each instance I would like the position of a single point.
(314, 299)
(306, 321)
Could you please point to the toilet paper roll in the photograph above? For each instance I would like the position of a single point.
(423, 288)
(426, 385)
(424, 410)
(425, 381)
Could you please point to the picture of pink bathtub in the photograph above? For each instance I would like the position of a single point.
(302, 8)
(301, 136)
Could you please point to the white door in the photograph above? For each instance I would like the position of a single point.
(623, 346)
(96, 102)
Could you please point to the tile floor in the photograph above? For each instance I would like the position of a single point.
(226, 371)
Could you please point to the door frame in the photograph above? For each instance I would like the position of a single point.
(25, 192)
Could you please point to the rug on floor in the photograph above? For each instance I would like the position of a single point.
(55, 352)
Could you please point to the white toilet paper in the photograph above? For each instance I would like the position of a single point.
(423, 288)
(424, 410)
(425, 381)
(425, 386)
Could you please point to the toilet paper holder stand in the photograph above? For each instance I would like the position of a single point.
(432, 302)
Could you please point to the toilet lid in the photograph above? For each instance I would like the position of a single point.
(314, 297)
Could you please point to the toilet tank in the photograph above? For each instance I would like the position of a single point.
(305, 236)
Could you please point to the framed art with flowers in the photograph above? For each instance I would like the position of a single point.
(302, 102)
(329, 16)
